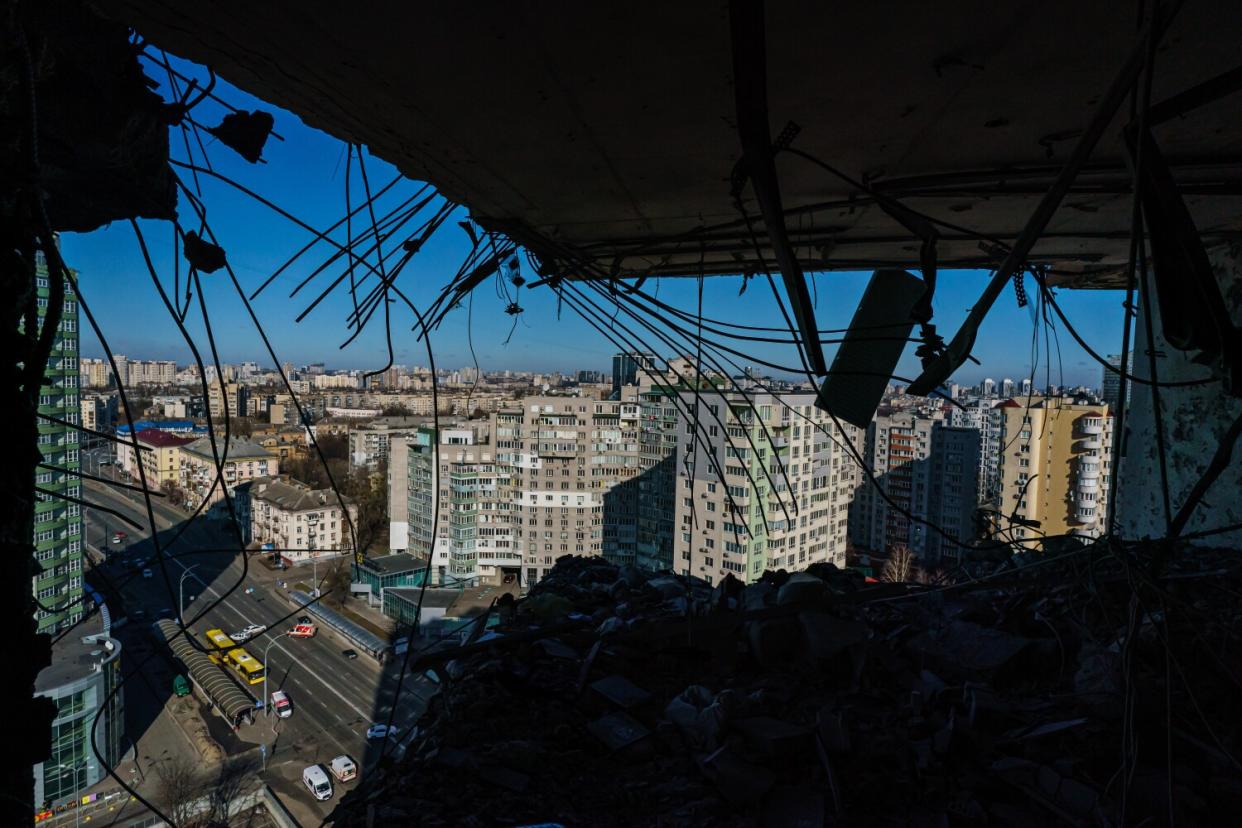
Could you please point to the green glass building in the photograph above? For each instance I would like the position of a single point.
(58, 533)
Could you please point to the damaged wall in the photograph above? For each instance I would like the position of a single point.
(1195, 418)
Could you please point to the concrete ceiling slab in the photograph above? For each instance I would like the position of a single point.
(606, 131)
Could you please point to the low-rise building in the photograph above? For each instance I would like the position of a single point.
(301, 523)
(159, 452)
(245, 460)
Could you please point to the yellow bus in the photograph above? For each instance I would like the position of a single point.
(219, 645)
(246, 665)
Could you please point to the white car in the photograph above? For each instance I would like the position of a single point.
(247, 633)
(381, 731)
(146, 573)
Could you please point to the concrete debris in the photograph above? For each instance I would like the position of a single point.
(814, 699)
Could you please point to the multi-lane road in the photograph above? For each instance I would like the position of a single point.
(335, 698)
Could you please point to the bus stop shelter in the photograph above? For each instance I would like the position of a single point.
(234, 703)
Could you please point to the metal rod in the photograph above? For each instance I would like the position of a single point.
(959, 349)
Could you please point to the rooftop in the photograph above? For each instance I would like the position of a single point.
(162, 439)
(293, 495)
(238, 449)
(394, 564)
(73, 660)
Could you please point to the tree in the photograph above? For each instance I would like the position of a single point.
(335, 584)
(478, 414)
(241, 426)
(898, 567)
(395, 410)
(174, 493)
(181, 786)
(234, 777)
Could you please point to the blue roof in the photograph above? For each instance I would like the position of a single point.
(161, 425)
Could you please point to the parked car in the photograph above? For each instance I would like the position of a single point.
(181, 687)
(146, 573)
(119, 537)
(350, 654)
(247, 633)
(510, 578)
(343, 768)
(317, 782)
(381, 731)
(282, 705)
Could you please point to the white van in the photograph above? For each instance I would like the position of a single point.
(317, 782)
(343, 768)
(281, 704)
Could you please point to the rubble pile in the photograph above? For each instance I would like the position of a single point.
(1041, 696)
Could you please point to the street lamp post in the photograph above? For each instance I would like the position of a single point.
(267, 671)
(181, 594)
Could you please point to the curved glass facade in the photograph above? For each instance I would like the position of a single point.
(80, 684)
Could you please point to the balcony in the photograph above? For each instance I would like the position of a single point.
(1088, 484)
(1091, 443)
(1085, 514)
(1088, 470)
(1085, 499)
(1091, 429)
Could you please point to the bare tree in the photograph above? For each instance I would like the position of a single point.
(234, 777)
(181, 786)
(175, 494)
(336, 582)
(899, 565)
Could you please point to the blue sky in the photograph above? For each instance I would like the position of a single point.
(305, 174)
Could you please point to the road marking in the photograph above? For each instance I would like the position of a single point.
(277, 645)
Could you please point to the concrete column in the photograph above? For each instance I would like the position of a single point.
(1194, 420)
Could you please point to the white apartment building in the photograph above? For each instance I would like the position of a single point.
(765, 484)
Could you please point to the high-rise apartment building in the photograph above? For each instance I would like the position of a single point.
(1110, 381)
(762, 481)
(57, 521)
(929, 471)
(573, 461)
(1055, 467)
(983, 416)
(627, 368)
(471, 533)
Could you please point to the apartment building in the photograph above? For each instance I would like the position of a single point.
(982, 415)
(159, 453)
(150, 372)
(99, 412)
(568, 457)
(929, 471)
(57, 583)
(1055, 467)
(95, 373)
(370, 442)
(763, 481)
(231, 394)
(470, 531)
(303, 524)
(245, 461)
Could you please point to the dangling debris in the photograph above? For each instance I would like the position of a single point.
(514, 309)
(203, 255)
(245, 132)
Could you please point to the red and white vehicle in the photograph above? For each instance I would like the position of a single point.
(303, 631)
(281, 704)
